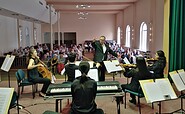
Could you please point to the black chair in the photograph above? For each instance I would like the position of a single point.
(23, 81)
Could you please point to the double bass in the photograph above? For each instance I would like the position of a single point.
(43, 70)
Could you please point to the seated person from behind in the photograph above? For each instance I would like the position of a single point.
(84, 91)
(71, 67)
(139, 73)
(159, 65)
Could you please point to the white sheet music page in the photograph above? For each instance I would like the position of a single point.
(93, 74)
(5, 99)
(182, 75)
(166, 88)
(126, 61)
(7, 63)
(90, 63)
(153, 92)
(159, 90)
(177, 80)
(112, 66)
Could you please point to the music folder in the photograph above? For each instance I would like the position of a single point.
(178, 79)
(112, 66)
(158, 90)
(93, 74)
(7, 62)
(5, 99)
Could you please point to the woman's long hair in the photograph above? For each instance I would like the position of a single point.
(84, 69)
(141, 65)
(161, 57)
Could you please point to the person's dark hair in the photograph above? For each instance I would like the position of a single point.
(161, 57)
(84, 69)
(160, 53)
(141, 65)
(71, 57)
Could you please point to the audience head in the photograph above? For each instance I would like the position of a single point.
(84, 69)
(71, 57)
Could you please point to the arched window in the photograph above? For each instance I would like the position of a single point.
(118, 36)
(127, 42)
(143, 37)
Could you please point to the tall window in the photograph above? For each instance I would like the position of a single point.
(127, 42)
(35, 36)
(143, 37)
(118, 35)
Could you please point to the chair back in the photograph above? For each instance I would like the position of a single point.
(20, 75)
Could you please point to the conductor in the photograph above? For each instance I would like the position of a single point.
(101, 51)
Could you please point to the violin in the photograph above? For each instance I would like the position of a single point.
(126, 65)
(44, 70)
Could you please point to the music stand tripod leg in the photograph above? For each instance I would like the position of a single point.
(119, 98)
(181, 110)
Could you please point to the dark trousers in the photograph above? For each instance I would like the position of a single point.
(101, 71)
(45, 81)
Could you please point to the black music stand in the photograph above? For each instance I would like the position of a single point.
(7, 64)
(119, 99)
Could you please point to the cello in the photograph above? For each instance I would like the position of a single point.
(43, 70)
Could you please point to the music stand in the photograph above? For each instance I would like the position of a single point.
(7, 64)
(163, 90)
(179, 81)
(112, 67)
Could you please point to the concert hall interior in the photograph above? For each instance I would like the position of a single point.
(111, 35)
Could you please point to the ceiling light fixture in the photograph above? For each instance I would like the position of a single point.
(82, 18)
(83, 13)
(83, 6)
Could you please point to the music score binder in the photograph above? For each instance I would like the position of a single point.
(159, 90)
(7, 62)
(112, 66)
(93, 74)
(5, 99)
(178, 79)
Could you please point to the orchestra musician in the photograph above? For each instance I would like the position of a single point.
(101, 51)
(159, 64)
(139, 73)
(83, 91)
(71, 67)
(33, 73)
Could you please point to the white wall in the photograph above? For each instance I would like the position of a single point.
(93, 27)
(9, 33)
(149, 11)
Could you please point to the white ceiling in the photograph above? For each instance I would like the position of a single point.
(96, 6)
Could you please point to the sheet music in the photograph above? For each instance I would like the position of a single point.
(112, 66)
(90, 63)
(93, 74)
(5, 99)
(182, 75)
(126, 61)
(7, 62)
(159, 90)
(177, 80)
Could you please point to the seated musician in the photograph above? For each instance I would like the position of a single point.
(139, 73)
(71, 67)
(159, 65)
(84, 91)
(33, 73)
